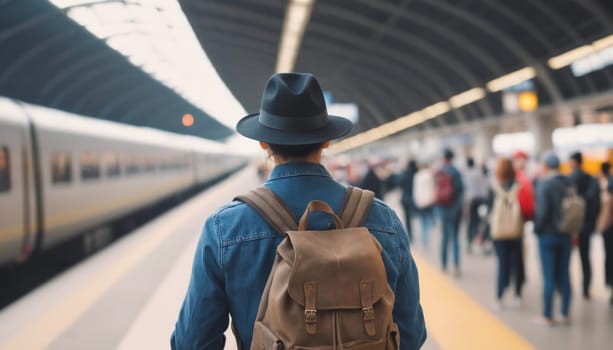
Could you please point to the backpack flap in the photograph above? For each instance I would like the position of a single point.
(572, 212)
(334, 262)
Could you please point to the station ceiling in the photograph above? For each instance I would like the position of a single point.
(48, 59)
(393, 57)
(390, 57)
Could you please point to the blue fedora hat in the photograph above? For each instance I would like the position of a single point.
(293, 112)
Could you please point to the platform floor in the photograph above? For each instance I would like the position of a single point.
(128, 295)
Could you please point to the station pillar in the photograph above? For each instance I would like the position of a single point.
(484, 135)
(542, 125)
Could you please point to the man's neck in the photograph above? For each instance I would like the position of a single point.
(315, 158)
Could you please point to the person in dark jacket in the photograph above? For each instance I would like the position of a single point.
(373, 183)
(587, 187)
(405, 182)
(607, 233)
(554, 246)
(452, 214)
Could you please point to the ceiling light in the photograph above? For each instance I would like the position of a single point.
(296, 20)
(466, 97)
(155, 36)
(511, 79)
(569, 57)
(68, 3)
(436, 109)
(604, 42)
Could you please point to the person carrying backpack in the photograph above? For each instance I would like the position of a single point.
(605, 222)
(507, 229)
(449, 200)
(587, 187)
(554, 240)
(405, 182)
(353, 279)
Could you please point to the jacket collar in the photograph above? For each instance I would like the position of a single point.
(298, 168)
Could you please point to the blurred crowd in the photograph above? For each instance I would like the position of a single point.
(566, 208)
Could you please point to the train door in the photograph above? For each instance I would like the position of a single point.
(15, 219)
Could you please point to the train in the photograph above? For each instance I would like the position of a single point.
(62, 175)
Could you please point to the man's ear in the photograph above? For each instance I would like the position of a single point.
(326, 144)
(264, 145)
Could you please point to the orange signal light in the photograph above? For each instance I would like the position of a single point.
(528, 101)
(187, 120)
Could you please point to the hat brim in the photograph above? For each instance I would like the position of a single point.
(250, 127)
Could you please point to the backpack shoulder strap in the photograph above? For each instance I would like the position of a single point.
(355, 207)
(271, 208)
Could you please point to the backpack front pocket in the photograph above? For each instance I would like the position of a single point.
(264, 339)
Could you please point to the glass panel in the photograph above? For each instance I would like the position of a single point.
(90, 166)
(61, 167)
(133, 165)
(5, 170)
(150, 164)
(111, 164)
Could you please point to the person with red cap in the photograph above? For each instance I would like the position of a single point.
(526, 191)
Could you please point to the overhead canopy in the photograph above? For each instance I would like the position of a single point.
(48, 59)
(395, 57)
(416, 63)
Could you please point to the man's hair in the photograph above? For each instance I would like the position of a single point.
(578, 157)
(605, 168)
(470, 162)
(448, 154)
(295, 151)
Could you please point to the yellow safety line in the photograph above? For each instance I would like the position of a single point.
(455, 321)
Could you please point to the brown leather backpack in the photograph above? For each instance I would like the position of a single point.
(327, 289)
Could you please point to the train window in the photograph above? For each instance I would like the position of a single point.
(133, 166)
(61, 167)
(5, 170)
(111, 164)
(90, 166)
(150, 164)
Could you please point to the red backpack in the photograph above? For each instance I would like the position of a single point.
(445, 193)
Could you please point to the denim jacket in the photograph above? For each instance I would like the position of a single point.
(236, 251)
(550, 192)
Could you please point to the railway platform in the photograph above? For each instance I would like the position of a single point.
(128, 295)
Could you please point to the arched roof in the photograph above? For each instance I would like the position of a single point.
(395, 57)
(406, 63)
(48, 59)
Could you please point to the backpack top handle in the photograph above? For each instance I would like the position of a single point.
(317, 205)
(277, 214)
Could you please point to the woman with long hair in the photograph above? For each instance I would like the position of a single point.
(507, 224)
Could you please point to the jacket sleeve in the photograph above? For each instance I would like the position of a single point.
(203, 318)
(408, 313)
(594, 193)
(460, 189)
(543, 207)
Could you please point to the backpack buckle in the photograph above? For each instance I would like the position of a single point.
(368, 313)
(310, 316)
